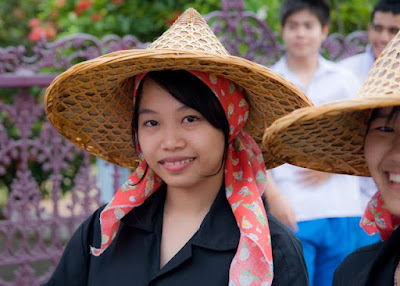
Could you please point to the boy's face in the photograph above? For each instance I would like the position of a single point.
(303, 34)
(383, 28)
(382, 153)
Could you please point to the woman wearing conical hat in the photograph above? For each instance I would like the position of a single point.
(357, 137)
(188, 118)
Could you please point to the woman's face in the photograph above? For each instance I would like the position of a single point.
(177, 142)
(382, 152)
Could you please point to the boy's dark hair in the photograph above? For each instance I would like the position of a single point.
(392, 6)
(319, 8)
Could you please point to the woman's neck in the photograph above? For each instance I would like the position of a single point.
(193, 201)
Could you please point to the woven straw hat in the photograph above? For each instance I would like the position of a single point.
(330, 137)
(91, 103)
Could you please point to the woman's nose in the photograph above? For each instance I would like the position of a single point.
(173, 138)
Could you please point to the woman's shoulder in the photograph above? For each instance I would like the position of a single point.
(356, 267)
(90, 230)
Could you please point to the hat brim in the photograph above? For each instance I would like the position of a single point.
(91, 103)
(328, 137)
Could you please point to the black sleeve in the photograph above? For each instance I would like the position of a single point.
(72, 270)
(289, 265)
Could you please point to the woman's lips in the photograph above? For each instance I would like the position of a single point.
(176, 164)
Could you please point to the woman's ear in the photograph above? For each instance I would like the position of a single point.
(325, 31)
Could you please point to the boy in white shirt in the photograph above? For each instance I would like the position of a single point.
(326, 206)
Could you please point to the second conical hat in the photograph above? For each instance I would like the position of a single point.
(330, 137)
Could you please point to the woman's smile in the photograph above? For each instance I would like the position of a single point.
(175, 164)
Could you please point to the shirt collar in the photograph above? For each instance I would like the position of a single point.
(218, 231)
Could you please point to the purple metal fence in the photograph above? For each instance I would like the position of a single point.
(47, 186)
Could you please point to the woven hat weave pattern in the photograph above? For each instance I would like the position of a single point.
(330, 137)
(91, 103)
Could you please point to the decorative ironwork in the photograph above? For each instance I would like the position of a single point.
(337, 47)
(243, 34)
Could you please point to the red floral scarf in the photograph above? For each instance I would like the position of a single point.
(378, 219)
(244, 182)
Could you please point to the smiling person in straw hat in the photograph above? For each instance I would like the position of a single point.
(188, 117)
(357, 137)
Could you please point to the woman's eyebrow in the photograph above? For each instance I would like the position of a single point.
(146, 111)
(151, 111)
(183, 108)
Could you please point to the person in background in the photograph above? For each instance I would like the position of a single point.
(322, 207)
(181, 114)
(385, 23)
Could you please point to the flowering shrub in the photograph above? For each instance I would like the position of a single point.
(25, 22)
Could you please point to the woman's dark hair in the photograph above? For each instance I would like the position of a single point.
(190, 91)
(375, 113)
(319, 8)
(392, 115)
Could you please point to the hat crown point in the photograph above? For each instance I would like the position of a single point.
(190, 32)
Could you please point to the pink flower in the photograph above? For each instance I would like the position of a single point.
(60, 3)
(37, 33)
(82, 7)
(35, 22)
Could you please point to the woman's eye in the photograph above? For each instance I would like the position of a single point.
(189, 119)
(385, 129)
(151, 123)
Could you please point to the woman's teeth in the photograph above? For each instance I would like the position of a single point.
(178, 162)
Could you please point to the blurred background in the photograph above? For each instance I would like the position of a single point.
(23, 22)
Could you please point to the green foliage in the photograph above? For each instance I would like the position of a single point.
(14, 21)
(23, 22)
(57, 18)
(351, 15)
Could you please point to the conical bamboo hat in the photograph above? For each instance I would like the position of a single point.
(91, 103)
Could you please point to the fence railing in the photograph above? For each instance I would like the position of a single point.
(47, 185)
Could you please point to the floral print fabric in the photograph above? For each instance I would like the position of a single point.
(245, 179)
(378, 219)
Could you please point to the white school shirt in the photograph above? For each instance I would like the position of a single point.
(340, 195)
(360, 65)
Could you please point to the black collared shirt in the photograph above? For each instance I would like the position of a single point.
(133, 258)
(371, 265)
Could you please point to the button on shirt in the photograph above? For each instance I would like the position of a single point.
(134, 256)
(339, 196)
